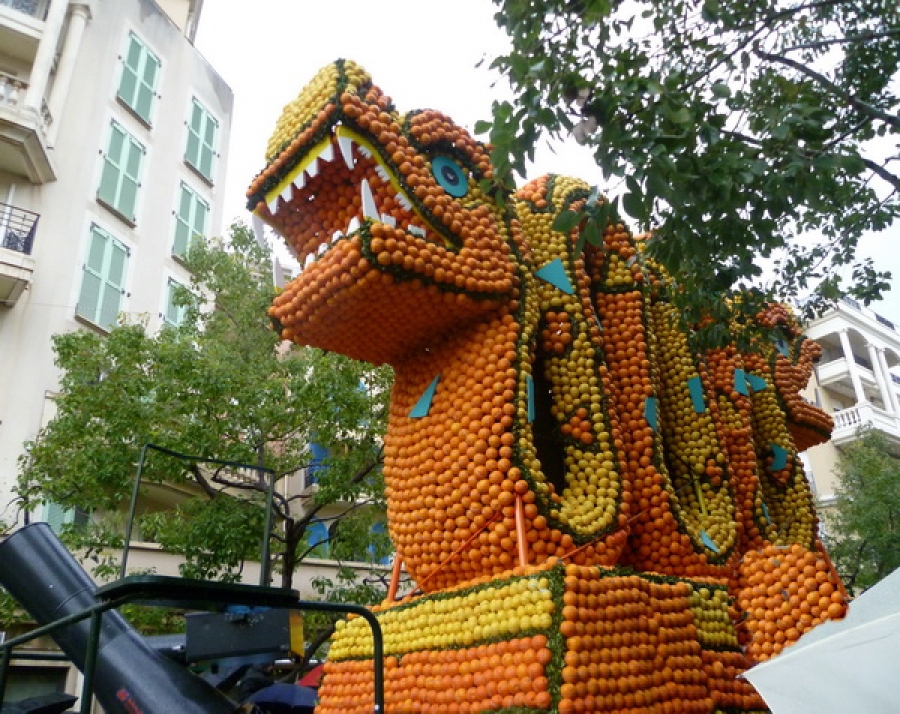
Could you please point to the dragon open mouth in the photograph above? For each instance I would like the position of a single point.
(341, 184)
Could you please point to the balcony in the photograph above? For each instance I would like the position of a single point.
(23, 129)
(17, 229)
(848, 421)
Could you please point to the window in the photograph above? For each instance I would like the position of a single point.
(190, 220)
(318, 455)
(317, 538)
(121, 172)
(380, 549)
(173, 314)
(201, 140)
(140, 71)
(57, 516)
(103, 279)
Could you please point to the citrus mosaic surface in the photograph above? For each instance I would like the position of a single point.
(548, 413)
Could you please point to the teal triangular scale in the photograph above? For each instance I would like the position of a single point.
(529, 386)
(651, 413)
(765, 510)
(695, 387)
(740, 382)
(423, 406)
(779, 457)
(782, 347)
(708, 542)
(757, 384)
(555, 274)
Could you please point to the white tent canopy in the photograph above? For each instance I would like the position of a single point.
(852, 665)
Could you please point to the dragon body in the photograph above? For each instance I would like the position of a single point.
(548, 411)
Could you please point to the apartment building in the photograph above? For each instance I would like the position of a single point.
(113, 138)
(857, 381)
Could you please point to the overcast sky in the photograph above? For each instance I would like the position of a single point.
(422, 53)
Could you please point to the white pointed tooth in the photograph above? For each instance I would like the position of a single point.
(381, 171)
(336, 236)
(277, 273)
(313, 168)
(403, 201)
(273, 205)
(353, 225)
(259, 231)
(327, 154)
(310, 259)
(416, 230)
(322, 248)
(388, 219)
(345, 144)
(365, 151)
(287, 193)
(299, 181)
(370, 210)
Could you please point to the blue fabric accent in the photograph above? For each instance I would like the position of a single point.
(555, 274)
(423, 406)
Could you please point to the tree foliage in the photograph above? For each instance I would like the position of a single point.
(865, 522)
(219, 386)
(734, 129)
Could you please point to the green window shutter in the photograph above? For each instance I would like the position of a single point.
(190, 220)
(92, 278)
(140, 70)
(109, 180)
(56, 516)
(209, 146)
(130, 67)
(147, 87)
(103, 279)
(130, 178)
(201, 140)
(120, 179)
(183, 221)
(114, 285)
(174, 314)
(201, 213)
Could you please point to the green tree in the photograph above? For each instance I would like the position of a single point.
(864, 525)
(219, 386)
(735, 129)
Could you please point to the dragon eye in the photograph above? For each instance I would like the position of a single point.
(450, 176)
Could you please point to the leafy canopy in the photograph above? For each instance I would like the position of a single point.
(865, 542)
(218, 386)
(734, 129)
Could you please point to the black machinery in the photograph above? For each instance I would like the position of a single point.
(126, 674)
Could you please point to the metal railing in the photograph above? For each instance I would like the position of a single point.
(17, 228)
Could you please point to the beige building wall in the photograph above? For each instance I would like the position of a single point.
(56, 174)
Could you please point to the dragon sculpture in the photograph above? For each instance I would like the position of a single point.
(567, 480)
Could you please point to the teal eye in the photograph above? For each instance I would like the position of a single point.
(450, 176)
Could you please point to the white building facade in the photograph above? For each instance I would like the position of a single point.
(113, 138)
(857, 381)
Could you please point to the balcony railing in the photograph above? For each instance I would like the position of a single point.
(855, 304)
(12, 90)
(17, 228)
(848, 421)
(35, 8)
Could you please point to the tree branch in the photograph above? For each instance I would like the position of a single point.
(844, 40)
(826, 83)
(883, 173)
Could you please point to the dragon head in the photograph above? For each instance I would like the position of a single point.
(387, 217)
